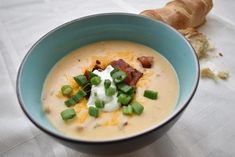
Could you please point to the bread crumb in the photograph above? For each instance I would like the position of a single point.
(223, 75)
(122, 125)
(221, 54)
(207, 73)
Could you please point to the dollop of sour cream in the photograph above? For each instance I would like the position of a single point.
(98, 92)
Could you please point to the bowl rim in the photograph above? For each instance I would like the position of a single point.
(164, 122)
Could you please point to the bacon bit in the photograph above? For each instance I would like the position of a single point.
(122, 125)
(87, 75)
(125, 124)
(133, 75)
(97, 62)
(97, 67)
(146, 61)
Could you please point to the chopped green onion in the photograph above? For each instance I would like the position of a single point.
(99, 103)
(107, 83)
(81, 80)
(93, 111)
(87, 88)
(91, 74)
(118, 76)
(119, 92)
(137, 108)
(68, 114)
(151, 94)
(132, 91)
(66, 90)
(124, 99)
(113, 71)
(95, 80)
(124, 87)
(80, 94)
(70, 102)
(127, 110)
(110, 91)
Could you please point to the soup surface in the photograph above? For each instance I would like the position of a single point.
(161, 77)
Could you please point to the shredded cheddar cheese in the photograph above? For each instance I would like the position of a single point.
(115, 118)
(59, 95)
(82, 117)
(81, 105)
(109, 56)
(106, 123)
(145, 79)
(81, 108)
(101, 114)
(127, 55)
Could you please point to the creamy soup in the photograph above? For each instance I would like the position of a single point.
(111, 122)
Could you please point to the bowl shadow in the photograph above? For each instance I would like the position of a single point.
(160, 148)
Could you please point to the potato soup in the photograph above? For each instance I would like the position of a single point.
(109, 90)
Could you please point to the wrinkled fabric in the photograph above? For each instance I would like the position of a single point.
(206, 128)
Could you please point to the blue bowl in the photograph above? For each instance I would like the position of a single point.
(113, 26)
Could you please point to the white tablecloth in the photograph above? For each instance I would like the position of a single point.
(207, 128)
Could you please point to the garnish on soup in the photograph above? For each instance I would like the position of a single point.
(146, 61)
(110, 89)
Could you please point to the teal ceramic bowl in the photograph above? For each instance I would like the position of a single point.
(114, 26)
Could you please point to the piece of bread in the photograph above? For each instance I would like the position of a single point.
(198, 40)
(223, 75)
(208, 73)
(182, 14)
(185, 16)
